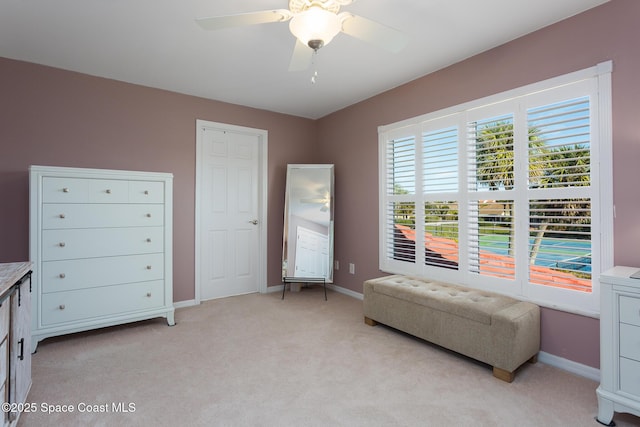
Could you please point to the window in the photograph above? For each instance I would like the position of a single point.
(511, 193)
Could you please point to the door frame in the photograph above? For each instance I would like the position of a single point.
(262, 199)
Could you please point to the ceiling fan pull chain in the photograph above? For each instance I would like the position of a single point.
(314, 77)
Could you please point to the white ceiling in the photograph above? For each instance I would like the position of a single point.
(157, 43)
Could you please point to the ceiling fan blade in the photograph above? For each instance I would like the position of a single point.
(242, 19)
(301, 58)
(372, 32)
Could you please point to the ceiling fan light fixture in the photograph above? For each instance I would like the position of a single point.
(315, 27)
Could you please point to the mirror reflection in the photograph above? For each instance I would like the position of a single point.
(308, 223)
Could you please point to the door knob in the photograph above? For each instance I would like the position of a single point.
(254, 222)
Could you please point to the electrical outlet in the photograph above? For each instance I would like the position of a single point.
(336, 265)
(352, 268)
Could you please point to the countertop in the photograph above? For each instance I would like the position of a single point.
(11, 272)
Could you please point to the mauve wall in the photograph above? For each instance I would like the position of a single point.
(59, 118)
(349, 139)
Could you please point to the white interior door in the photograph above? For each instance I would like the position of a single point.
(228, 234)
(311, 253)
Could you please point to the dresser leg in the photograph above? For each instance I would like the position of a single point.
(605, 411)
(34, 344)
(170, 319)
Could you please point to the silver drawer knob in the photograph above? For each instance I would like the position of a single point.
(62, 244)
(63, 216)
(148, 267)
(62, 275)
(148, 294)
(61, 306)
(65, 190)
(148, 215)
(148, 240)
(108, 191)
(146, 192)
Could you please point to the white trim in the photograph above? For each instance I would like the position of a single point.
(336, 288)
(596, 81)
(274, 289)
(262, 197)
(569, 366)
(605, 155)
(185, 304)
(346, 291)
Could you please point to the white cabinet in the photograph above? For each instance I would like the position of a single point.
(619, 389)
(101, 242)
(15, 330)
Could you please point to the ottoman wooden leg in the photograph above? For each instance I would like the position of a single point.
(370, 322)
(503, 375)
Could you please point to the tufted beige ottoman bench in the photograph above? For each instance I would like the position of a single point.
(495, 329)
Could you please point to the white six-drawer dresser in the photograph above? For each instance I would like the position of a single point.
(101, 247)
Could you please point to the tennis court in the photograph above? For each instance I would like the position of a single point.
(557, 253)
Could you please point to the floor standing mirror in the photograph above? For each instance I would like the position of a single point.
(307, 244)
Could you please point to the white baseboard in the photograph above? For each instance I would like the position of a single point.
(569, 366)
(546, 358)
(272, 289)
(340, 289)
(182, 304)
(346, 291)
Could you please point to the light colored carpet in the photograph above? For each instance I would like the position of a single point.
(255, 360)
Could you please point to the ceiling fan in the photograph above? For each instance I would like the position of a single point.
(314, 23)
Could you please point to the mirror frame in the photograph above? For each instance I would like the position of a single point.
(292, 191)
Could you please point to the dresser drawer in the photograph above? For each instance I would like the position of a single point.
(108, 191)
(100, 242)
(630, 341)
(146, 192)
(93, 272)
(95, 303)
(65, 190)
(84, 190)
(630, 310)
(630, 376)
(61, 215)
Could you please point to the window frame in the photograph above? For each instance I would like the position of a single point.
(597, 81)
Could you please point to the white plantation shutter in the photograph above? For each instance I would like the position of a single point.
(560, 224)
(401, 227)
(509, 194)
(441, 235)
(562, 128)
(491, 172)
(492, 240)
(440, 178)
(491, 153)
(400, 212)
(440, 160)
(401, 166)
(564, 247)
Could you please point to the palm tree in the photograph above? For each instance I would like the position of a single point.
(547, 168)
(495, 162)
